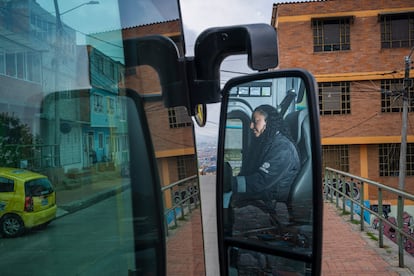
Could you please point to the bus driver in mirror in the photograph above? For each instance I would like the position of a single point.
(268, 171)
(271, 164)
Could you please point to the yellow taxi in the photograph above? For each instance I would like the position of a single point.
(27, 199)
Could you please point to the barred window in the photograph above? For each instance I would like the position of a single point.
(392, 99)
(334, 98)
(186, 166)
(397, 30)
(178, 117)
(389, 159)
(336, 157)
(331, 34)
(97, 103)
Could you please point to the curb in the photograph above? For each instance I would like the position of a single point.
(90, 200)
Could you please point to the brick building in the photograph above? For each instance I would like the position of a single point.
(172, 133)
(356, 51)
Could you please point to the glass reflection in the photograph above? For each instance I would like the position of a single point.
(63, 115)
(268, 170)
(246, 262)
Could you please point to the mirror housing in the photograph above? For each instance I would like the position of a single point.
(275, 175)
(191, 81)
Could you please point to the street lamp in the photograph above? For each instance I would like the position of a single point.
(83, 4)
(58, 47)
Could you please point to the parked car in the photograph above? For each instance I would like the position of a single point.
(27, 200)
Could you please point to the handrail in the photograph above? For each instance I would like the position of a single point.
(185, 204)
(348, 192)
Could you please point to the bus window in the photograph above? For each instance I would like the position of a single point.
(72, 111)
(269, 176)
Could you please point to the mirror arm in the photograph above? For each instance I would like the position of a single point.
(160, 53)
(258, 41)
(189, 81)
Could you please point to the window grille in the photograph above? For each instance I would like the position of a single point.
(389, 159)
(397, 30)
(336, 157)
(331, 34)
(392, 96)
(178, 117)
(334, 98)
(186, 166)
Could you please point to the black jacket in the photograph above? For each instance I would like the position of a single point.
(269, 171)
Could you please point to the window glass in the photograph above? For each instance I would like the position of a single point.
(389, 159)
(336, 157)
(6, 185)
(331, 34)
(69, 112)
(37, 187)
(397, 30)
(334, 98)
(391, 99)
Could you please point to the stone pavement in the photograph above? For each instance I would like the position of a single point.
(345, 250)
(348, 251)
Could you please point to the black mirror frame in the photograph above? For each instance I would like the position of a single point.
(313, 110)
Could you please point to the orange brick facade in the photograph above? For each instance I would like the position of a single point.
(169, 143)
(364, 66)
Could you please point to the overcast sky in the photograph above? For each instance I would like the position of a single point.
(199, 15)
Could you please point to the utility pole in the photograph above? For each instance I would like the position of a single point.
(56, 64)
(403, 153)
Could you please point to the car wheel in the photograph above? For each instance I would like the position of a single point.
(11, 226)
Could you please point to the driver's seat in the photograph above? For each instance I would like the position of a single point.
(300, 198)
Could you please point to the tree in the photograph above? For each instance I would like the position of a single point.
(16, 140)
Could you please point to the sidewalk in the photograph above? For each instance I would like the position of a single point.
(348, 251)
(71, 200)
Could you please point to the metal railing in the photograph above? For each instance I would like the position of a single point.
(349, 187)
(185, 196)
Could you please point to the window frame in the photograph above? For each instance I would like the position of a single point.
(392, 96)
(178, 117)
(342, 153)
(390, 166)
(342, 39)
(344, 104)
(387, 30)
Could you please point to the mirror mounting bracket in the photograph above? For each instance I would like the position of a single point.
(189, 81)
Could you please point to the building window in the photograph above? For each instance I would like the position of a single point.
(336, 157)
(397, 30)
(389, 159)
(100, 140)
(98, 103)
(331, 34)
(25, 66)
(186, 166)
(99, 61)
(178, 117)
(110, 105)
(109, 69)
(391, 96)
(334, 98)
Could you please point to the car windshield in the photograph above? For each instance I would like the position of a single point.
(38, 187)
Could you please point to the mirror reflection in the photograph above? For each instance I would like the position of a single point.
(267, 185)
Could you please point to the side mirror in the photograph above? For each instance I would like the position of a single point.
(269, 199)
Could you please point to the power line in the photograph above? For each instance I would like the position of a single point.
(354, 126)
